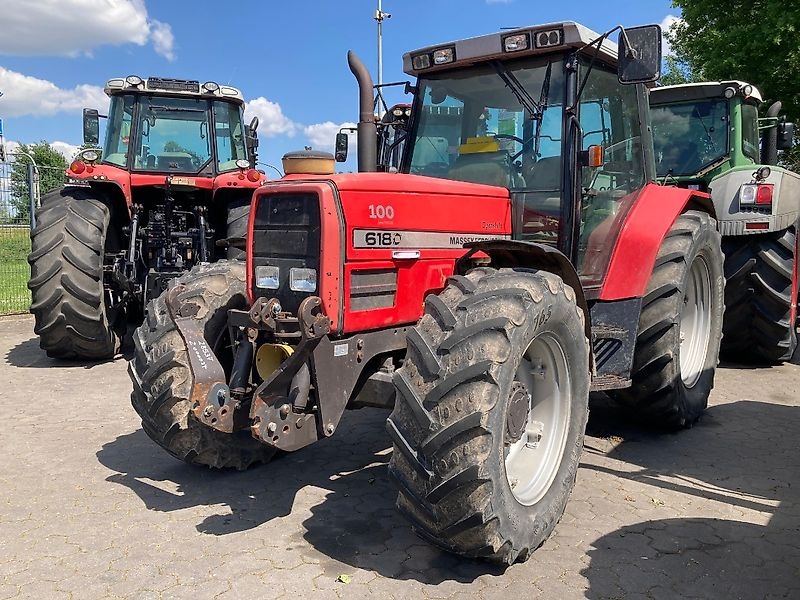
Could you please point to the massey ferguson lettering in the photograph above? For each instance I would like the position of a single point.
(383, 238)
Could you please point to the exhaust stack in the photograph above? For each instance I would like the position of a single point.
(367, 128)
(769, 147)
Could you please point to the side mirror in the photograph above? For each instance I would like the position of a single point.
(91, 126)
(785, 136)
(639, 54)
(341, 146)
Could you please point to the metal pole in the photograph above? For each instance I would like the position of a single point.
(379, 18)
(32, 194)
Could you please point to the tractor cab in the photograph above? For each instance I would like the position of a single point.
(702, 130)
(173, 126)
(548, 113)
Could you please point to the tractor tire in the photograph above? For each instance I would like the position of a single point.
(160, 371)
(66, 259)
(491, 407)
(680, 326)
(759, 271)
(238, 215)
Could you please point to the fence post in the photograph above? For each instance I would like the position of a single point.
(32, 194)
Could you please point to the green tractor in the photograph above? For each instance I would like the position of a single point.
(708, 136)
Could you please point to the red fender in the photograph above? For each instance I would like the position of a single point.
(647, 224)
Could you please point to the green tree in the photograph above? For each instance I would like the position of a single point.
(752, 40)
(52, 165)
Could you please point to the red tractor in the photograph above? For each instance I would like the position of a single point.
(530, 147)
(171, 185)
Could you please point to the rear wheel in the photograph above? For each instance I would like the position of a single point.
(492, 403)
(238, 213)
(759, 270)
(75, 318)
(160, 370)
(680, 324)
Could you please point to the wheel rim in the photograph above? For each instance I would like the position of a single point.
(532, 461)
(695, 322)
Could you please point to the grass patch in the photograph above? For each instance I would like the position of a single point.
(15, 244)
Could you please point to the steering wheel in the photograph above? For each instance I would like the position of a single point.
(506, 136)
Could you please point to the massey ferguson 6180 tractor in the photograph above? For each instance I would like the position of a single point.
(707, 137)
(171, 184)
(530, 147)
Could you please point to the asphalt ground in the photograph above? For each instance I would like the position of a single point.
(91, 508)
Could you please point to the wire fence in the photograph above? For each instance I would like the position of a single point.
(19, 191)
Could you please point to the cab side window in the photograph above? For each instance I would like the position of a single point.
(609, 115)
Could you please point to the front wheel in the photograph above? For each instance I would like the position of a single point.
(492, 403)
(160, 370)
(680, 326)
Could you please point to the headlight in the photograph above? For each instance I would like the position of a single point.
(133, 80)
(90, 155)
(210, 86)
(303, 280)
(268, 278)
(242, 163)
(444, 56)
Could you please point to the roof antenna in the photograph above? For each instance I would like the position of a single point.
(379, 17)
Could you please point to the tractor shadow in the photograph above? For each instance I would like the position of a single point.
(741, 464)
(28, 355)
(354, 524)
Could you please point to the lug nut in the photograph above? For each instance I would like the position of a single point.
(208, 411)
(277, 308)
(330, 428)
(271, 428)
(284, 410)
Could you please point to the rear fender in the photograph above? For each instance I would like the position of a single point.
(647, 224)
(509, 254)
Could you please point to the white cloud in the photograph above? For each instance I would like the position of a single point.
(66, 149)
(163, 40)
(322, 136)
(272, 121)
(75, 27)
(666, 25)
(26, 95)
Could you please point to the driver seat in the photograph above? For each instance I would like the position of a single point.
(489, 168)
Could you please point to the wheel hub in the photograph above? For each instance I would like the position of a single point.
(518, 410)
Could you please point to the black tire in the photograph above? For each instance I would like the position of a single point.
(238, 214)
(160, 369)
(759, 272)
(454, 394)
(660, 392)
(68, 297)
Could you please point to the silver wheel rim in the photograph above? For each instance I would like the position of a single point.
(531, 463)
(695, 322)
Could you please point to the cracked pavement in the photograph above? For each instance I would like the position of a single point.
(91, 508)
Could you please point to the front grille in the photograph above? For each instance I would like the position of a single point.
(286, 234)
(173, 85)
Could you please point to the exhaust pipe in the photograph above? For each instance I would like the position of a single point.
(367, 128)
(769, 149)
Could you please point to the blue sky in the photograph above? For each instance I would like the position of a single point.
(288, 58)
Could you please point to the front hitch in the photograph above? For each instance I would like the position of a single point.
(274, 413)
(209, 392)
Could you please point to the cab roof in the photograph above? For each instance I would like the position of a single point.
(182, 88)
(488, 47)
(705, 89)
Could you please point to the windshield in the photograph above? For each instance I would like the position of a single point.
(689, 136)
(120, 116)
(230, 135)
(480, 125)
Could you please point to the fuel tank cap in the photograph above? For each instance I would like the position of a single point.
(310, 162)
